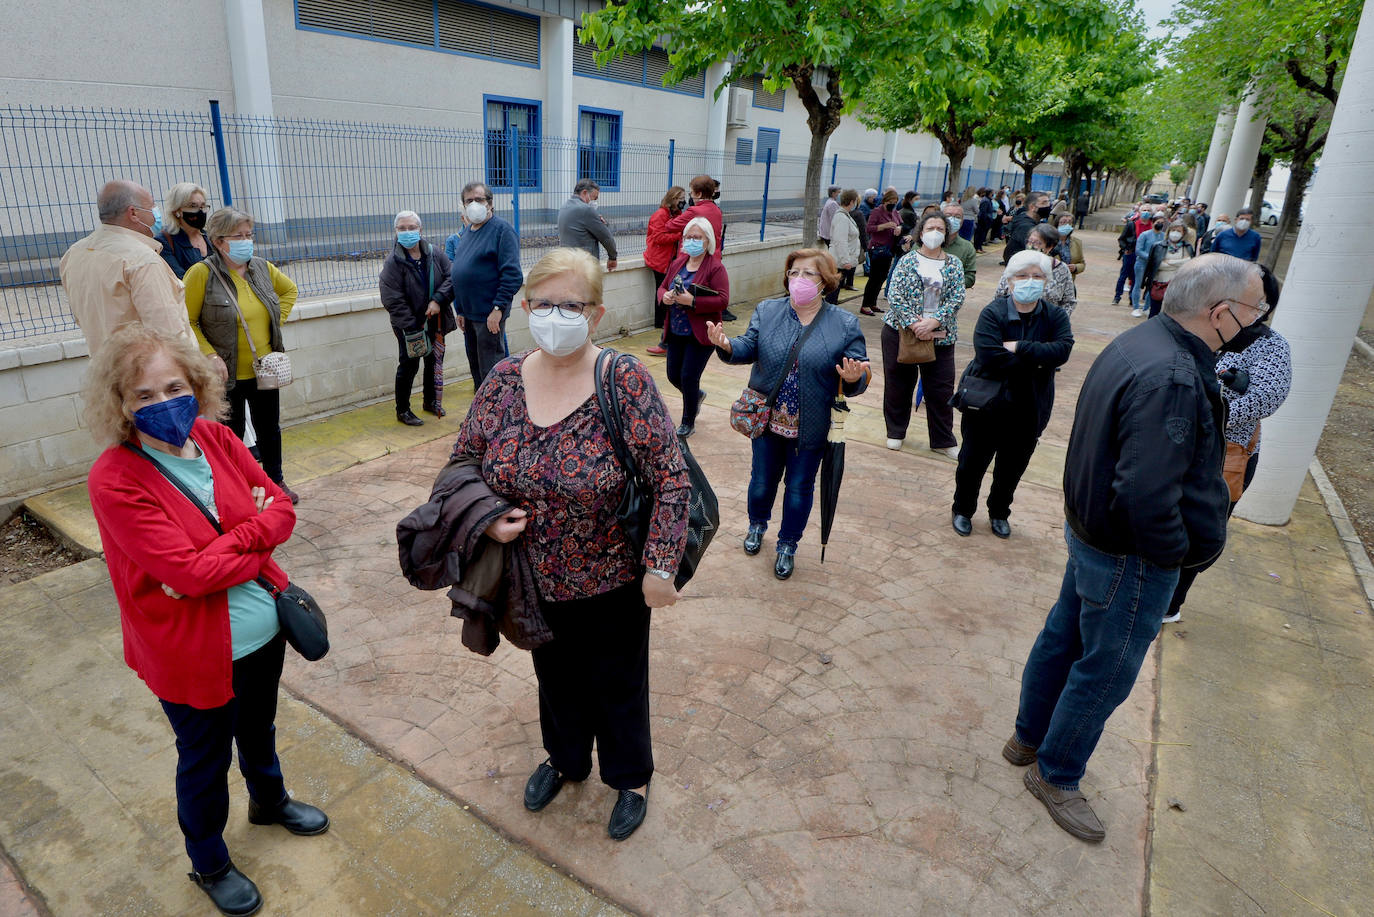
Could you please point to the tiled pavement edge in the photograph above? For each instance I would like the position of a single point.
(829, 745)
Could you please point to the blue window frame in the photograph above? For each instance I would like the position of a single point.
(598, 146)
(768, 141)
(448, 26)
(744, 151)
(499, 115)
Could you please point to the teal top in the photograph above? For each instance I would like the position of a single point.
(252, 610)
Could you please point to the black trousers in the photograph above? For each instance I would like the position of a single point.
(1003, 437)
(899, 388)
(266, 409)
(1079, 218)
(203, 754)
(660, 310)
(879, 262)
(484, 349)
(406, 368)
(980, 233)
(687, 359)
(594, 687)
(1186, 575)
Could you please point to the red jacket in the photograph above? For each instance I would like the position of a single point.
(710, 274)
(153, 535)
(660, 244)
(707, 209)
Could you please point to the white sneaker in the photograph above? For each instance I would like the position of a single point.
(948, 451)
(1174, 618)
(1136, 313)
(894, 444)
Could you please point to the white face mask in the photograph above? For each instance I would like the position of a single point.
(1223, 225)
(1242, 225)
(476, 212)
(556, 335)
(1175, 236)
(932, 239)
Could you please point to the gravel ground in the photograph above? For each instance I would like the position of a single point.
(27, 549)
(1346, 450)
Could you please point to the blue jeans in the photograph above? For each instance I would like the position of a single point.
(1088, 654)
(1139, 279)
(774, 457)
(1127, 273)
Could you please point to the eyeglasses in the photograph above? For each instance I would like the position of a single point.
(1260, 308)
(809, 275)
(542, 308)
(241, 236)
(474, 200)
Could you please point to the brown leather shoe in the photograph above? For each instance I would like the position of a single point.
(1068, 808)
(1018, 752)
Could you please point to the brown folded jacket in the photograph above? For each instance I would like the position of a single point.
(441, 543)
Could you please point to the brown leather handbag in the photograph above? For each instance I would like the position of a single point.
(1237, 458)
(911, 349)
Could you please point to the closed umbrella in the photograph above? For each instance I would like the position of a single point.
(832, 468)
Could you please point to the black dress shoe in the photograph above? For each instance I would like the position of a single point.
(685, 430)
(1000, 527)
(233, 892)
(627, 815)
(962, 524)
(782, 567)
(409, 419)
(753, 541)
(729, 317)
(542, 786)
(296, 817)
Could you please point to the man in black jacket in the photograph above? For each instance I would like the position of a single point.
(1143, 496)
(1037, 210)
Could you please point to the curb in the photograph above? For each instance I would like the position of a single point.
(1364, 349)
(1354, 548)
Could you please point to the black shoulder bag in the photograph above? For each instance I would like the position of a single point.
(636, 504)
(302, 621)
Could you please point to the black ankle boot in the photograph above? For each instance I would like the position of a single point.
(233, 892)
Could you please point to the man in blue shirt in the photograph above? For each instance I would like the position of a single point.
(486, 276)
(1240, 240)
(1143, 243)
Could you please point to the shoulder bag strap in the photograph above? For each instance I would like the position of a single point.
(228, 282)
(608, 399)
(793, 358)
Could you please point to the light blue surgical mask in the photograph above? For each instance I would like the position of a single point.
(693, 247)
(240, 250)
(409, 238)
(1029, 289)
(157, 218)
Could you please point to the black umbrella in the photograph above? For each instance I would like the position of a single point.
(832, 468)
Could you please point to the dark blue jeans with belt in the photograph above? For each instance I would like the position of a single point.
(204, 753)
(1088, 654)
(778, 459)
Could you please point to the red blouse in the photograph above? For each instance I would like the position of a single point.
(152, 535)
(567, 477)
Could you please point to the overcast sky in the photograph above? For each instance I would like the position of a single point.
(1155, 11)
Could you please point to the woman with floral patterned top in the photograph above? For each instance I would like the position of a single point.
(832, 356)
(927, 291)
(544, 446)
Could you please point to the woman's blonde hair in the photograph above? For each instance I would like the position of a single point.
(224, 221)
(705, 226)
(121, 361)
(177, 198)
(561, 261)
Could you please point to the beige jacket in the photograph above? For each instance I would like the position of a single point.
(115, 276)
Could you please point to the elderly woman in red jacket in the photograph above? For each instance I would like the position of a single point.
(199, 628)
(696, 290)
(660, 248)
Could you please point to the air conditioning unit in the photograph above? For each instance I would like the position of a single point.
(738, 115)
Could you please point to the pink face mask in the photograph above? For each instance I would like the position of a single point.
(803, 290)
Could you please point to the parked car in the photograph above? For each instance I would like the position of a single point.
(1268, 215)
(1157, 197)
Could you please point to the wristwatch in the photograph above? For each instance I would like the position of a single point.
(661, 574)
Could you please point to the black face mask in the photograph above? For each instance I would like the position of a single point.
(1043, 213)
(1244, 338)
(193, 218)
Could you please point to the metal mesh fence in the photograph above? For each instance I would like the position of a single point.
(323, 194)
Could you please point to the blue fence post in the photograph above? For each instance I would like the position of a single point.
(218, 128)
(916, 185)
(672, 147)
(882, 173)
(944, 182)
(767, 174)
(834, 166)
(513, 158)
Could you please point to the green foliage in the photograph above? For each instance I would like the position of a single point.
(1178, 173)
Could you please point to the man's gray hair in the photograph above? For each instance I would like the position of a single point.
(117, 197)
(1206, 280)
(585, 184)
(407, 215)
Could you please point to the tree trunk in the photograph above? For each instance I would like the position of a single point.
(1298, 177)
(1259, 181)
(1030, 174)
(822, 118)
(815, 162)
(956, 153)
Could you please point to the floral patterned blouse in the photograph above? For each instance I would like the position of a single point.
(907, 296)
(567, 477)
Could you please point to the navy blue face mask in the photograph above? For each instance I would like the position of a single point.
(169, 421)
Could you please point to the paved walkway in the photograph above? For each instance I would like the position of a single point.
(828, 745)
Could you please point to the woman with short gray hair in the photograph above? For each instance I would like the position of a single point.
(418, 295)
(237, 302)
(1007, 392)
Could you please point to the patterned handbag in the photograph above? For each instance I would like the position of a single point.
(272, 369)
(752, 409)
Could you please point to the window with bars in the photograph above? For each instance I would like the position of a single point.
(508, 152)
(452, 26)
(638, 69)
(744, 151)
(767, 145)
(598, 147)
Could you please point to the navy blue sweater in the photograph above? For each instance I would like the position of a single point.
(486, 269)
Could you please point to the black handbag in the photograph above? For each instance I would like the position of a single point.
(636, 503)
(976, 393)
(300, 616)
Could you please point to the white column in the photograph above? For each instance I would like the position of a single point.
(556, 37)
(716, 119)
(261, 192)
(1216, 157)
(890, 154)
(1240, 158)
(1324, 297)
(1195, 181)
